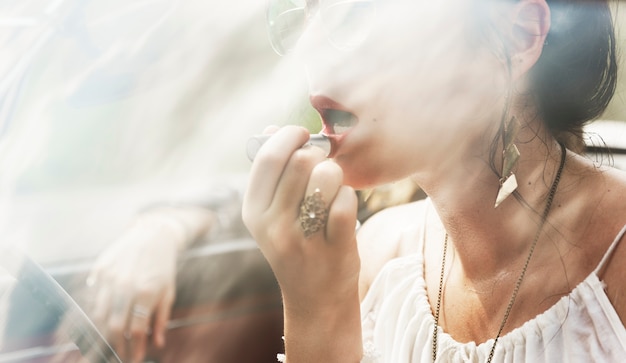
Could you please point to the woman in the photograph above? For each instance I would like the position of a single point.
(481, 103)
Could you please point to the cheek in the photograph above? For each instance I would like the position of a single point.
(420, 127)
(459, 98)
(428, 68)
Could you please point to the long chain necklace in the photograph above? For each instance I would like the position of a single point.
(544, 216)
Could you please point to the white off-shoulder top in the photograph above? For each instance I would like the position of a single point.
(398, 324)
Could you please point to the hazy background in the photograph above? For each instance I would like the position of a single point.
(110, 105)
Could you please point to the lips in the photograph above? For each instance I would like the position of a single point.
(337, 119)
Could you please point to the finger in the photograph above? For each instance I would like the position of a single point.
(138, 330)
(342, 216)
(140, 317)
(271, 129)
(117, 322)
(269, 165)
(90, 294)
(326, 176)
(102, 304)
(160, 322)
(295, 178)
(323, 185)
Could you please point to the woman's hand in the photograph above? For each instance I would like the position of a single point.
(133, 281)
(318, 274)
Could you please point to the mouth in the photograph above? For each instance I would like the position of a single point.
(337, 119)
(338, 122)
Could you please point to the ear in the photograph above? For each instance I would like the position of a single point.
(531, 23)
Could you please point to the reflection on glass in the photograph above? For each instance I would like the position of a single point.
(39, 322)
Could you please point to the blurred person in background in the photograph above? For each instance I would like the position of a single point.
(116, 114)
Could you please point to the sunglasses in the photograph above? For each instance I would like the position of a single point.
(347, 23)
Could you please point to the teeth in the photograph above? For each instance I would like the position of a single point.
(341, 129)
(341, 121)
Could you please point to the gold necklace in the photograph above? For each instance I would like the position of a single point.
(544, 216)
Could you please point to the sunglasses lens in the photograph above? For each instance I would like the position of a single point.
(286, 20)
(348, 22)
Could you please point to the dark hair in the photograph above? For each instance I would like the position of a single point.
(575, 78)
(576, 75)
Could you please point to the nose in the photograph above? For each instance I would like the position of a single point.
(316, 54)
(312, 44)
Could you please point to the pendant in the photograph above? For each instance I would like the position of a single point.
(506, 189)
(510, 157)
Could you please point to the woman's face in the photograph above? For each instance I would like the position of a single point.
(418, 92)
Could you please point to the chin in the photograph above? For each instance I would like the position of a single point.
(360, 180)
(360, 184)
(360, 173)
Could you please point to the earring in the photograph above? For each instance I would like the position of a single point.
(510, 157)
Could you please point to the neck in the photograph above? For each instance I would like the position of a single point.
(486, 240)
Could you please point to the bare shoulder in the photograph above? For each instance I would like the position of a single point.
(614, 213)
(614, 276)
(380, 238)
(594, 209)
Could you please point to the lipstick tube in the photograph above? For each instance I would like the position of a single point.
(255, 142)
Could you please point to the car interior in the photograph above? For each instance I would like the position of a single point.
(108, 106)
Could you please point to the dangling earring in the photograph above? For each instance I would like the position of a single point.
(510, 157)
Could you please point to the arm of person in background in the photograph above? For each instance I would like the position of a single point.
(133, 281)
